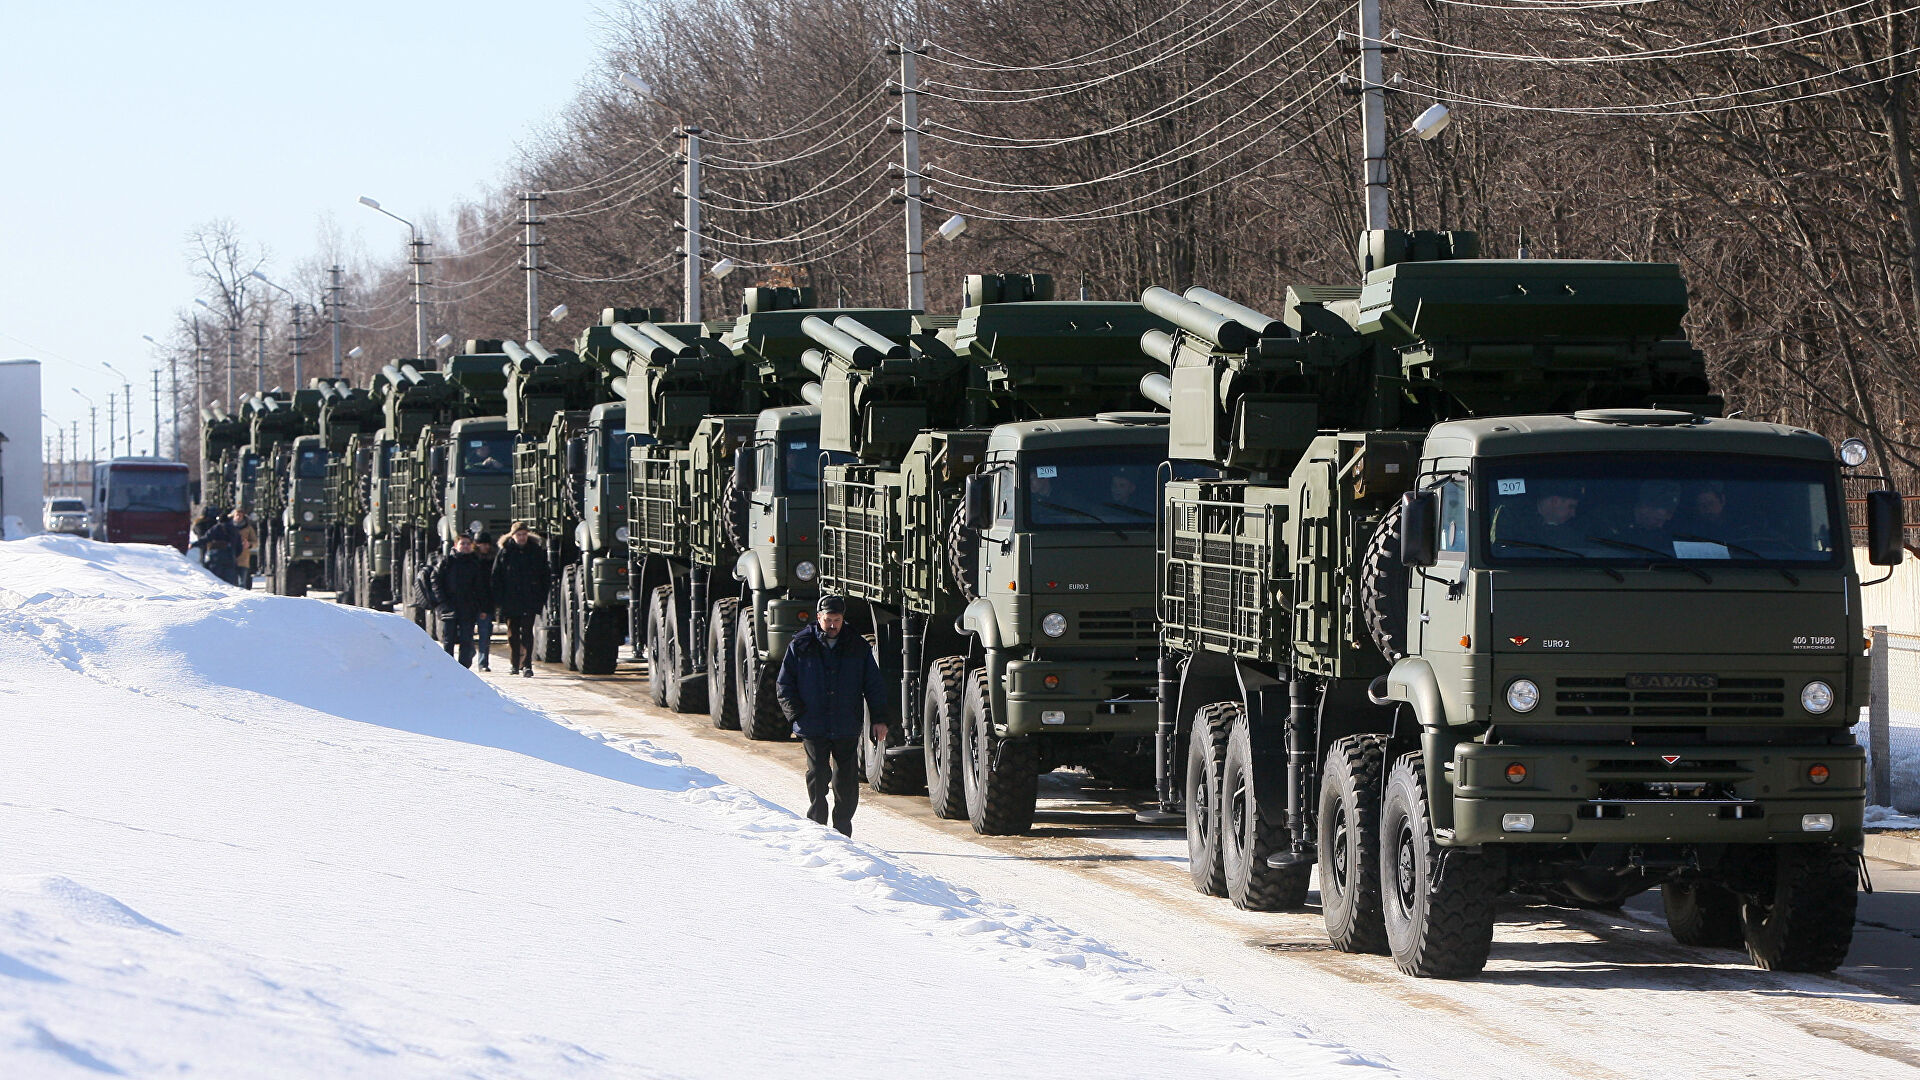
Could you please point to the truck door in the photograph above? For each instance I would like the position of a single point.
(1442, 601)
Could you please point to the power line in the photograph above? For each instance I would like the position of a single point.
(1082, 60)
(1689, 51)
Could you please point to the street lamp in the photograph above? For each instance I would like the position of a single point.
(173, 373)
(126, 385)
(93, 426)
(299, 327)
(232, 329)
(419, 262)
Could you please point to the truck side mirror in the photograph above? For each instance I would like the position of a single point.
(979, 509)
(1885, 528)
(437, 461)
(1419, 527)
(743, 466)
(577, 457)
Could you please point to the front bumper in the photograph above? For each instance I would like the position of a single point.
(608, 583)
(1090, 696)
(785, 618)
(1631, 794)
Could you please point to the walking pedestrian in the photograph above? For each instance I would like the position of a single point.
(520, 580)
(249, 538)
(463, 591)
(219, 547)
(825, 678)
(483, 626)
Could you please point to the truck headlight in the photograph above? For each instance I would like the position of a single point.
(306, 515)
(1816, 697)
(1054, 624)
(804, 570)
(1522, 695)
(621, 534)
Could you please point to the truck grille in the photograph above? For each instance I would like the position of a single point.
(1116, 626)
(1731, 699)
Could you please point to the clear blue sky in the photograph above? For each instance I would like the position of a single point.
(127, 123)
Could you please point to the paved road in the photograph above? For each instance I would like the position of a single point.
(1567, 993)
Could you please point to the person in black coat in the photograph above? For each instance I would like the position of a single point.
(464, 592)
(828, 687)
(520, 581)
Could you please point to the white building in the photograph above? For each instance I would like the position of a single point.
(20, 464)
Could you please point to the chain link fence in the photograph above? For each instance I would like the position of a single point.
(1890, 729)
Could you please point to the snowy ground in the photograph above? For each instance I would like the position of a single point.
(252, 836)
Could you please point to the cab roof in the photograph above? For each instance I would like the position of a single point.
(1107, 429)
(1655, 430)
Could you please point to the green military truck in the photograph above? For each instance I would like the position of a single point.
(1487, 597)
(1004, 571)
(349, 418)
(569, 485)
(223, 437)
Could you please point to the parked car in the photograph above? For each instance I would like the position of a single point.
(67, 516)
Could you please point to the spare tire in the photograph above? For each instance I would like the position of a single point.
(1383, 587)
(733, 503)
(963, 553)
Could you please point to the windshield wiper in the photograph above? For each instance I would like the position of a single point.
(1607, 570)
(1096, 518)
(1742, 549)
(1129, 509)
(1666, 558)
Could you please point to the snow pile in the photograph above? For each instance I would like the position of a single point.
(255, 836)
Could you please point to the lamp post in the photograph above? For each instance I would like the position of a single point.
(420, 263)
(173, 375)
(232, 329)
(93, 427)
(126, 395)
(690, 137)
(299, 327)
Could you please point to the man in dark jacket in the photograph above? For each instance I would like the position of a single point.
(464, 591)
(520, 581)
(826, 677)
(220, 550)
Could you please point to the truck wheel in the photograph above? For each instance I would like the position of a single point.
(659, 671)
(722, 637)
(1206, 756)
(1437, 904)
(569, 620)
(1383, 587)
(1253, 825)
(1804, 921)
(1349, 842)
(940, 737)
(899, 774)
(963, 555)
(297, 580)
(1002, 776)
(760, 715)
(1703, 914)
(600, 642)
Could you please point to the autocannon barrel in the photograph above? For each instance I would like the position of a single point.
(1260, 324)
(844, 345)
(811, 393)
(1195, 319)
(1158, 389)
(1159, 345)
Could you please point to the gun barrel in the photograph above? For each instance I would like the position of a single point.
(888, 348)
(1158, 389)
(1197, 320)
(1261, 324)
(811, 393)
(1159, 345)
(844, 345)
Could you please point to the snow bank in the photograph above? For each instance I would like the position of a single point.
(256, 836)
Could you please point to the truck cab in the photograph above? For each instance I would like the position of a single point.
(479, 477)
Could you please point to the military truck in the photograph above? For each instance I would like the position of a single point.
(276, 421)
(349, 416)
(1018, 619)
(569, 485)
(223, 436)
(771, 508)
(1488, 597)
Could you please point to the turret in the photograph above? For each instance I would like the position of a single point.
(769, 341)
(670, 374)
(1041, 357)
(876, 394)
(543, 384)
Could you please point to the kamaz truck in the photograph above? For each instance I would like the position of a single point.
(223, 437)
(349, 419)
(1488, 597)
(1003, 571)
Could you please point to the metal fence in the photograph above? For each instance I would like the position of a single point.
(1891, 728)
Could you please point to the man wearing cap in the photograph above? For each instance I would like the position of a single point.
(825, 680)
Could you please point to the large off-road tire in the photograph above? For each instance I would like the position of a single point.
(1437, 904)
(897, 774)
(1002, 776)
(963, 554)
(600, 641)
(760, 717)
(570, 619)
(659, 668)
(546, 627)
(1349, 843)
(1383, 587)
(723, 637)
(1253, 825)
(1206, 757)
(1804, 921)
(940, 737)
(733, 503)
(686, 692)
(1703, 914)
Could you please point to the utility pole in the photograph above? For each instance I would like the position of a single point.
(73, 466)
(260, 356)
(173, 397)
(112, 436)
(910, 168)
(1373, 117)
(692, 224)
(299, 344)
(127, 395)
(531, 261)
(93, 432)
(420, 264)
(156, 412)
(233, 348)
(334, 289)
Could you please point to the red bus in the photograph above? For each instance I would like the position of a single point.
(141, 501)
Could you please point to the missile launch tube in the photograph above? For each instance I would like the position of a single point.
(844, 345)
(412, 373)
(540, 352)
(619, 385)
(1263, 325)
(658, 333)
(1158, 389)
(811, 393)
(815, 361)
(1194, 319)
(854, 328)
(1159, 345)
(644, 347)
(392, 375)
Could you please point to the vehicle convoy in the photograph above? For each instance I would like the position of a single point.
(142, 501)
(569, 484)
(1488, 597)
(1004, 571)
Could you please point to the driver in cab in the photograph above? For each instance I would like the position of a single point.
(1549, 521)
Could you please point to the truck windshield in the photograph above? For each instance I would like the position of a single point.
(311, 464)
(1094, 487)
(486, 454)
(614, 450)
(164, 491)
(800, 464)
(1629, 509)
